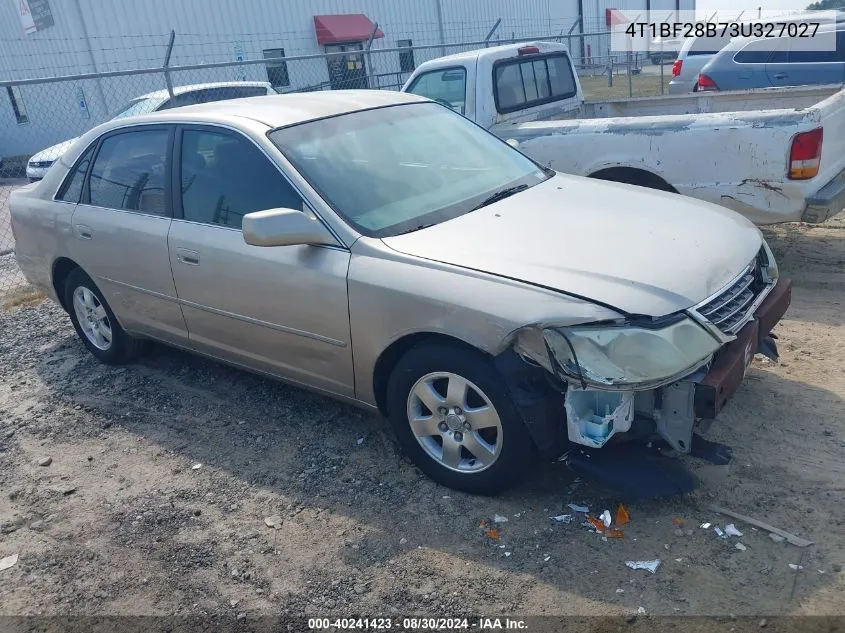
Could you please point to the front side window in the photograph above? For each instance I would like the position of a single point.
(225, 176)
(532, 81)
(448, 86)
(72, 191)
(130, 173)
(391, 170)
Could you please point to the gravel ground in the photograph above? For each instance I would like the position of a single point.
(161, 475)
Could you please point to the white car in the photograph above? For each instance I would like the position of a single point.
(39, 163)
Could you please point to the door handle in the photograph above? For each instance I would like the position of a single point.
(780, 75)
(187, 256)
(84, 231)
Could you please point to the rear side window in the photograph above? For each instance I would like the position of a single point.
(523, 83)
(762, 51)
(72, 190)
(708, 45)
(129, 172)
(224, 177)
(808, 56)
(448, 85)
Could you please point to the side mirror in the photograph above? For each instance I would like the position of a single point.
(284, 227)
(513, 143)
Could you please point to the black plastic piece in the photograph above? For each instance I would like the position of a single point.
(539, 404)
(633, 470)
(767, 347)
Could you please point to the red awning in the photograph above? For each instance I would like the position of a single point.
(350, 27)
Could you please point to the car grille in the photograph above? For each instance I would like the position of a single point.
(728, 311)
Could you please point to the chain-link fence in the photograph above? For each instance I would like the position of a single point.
(39, 115)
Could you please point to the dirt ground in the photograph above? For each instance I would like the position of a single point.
(164, 471)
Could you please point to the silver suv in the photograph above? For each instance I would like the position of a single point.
(693, 56)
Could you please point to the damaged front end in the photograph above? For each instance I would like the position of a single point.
(640, 387)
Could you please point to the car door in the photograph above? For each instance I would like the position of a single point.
(806, 63)
(120, 230)
(281, 310)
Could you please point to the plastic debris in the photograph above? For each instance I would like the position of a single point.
(598, 525)
(678, 522)
(576, 508)
(791, 538)
(493, 534)
(498, 518)
(274, 521)
(622, 516)
(678, 560)
(641, 610)
(730, 530)
(777, 538)
(546, 558)
(606, 519)
(9, 561)
(649, 565)
(196, 466)
(562, 518)
(795, 567)
(507, 554)
(620, 591)
(615, 533)
(705, 526)
(740, 547)
(360, 441)
(719, 532)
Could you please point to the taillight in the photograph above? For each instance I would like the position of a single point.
(705, 83)
(805, 155)
(676, 67)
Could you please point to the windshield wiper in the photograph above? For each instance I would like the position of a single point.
(501, 195)
(416, 228)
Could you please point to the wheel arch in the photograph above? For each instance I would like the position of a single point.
(388, 358)
(633, 176)
(62, 267)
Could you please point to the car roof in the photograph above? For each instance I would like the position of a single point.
(285, 109)
(740, 42)
(178, 90)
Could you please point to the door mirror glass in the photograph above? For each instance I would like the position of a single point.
(284, 227)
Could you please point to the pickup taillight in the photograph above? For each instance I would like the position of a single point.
(677, 66)
(705, 83)
(805, 154)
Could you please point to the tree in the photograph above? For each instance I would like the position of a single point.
(826, 5)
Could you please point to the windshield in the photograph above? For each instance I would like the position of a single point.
(396, 169)
(142, 105)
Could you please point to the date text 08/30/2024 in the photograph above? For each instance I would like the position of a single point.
(418, 624)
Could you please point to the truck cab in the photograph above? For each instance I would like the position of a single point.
(530, 82)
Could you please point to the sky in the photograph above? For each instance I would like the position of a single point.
(734, 6)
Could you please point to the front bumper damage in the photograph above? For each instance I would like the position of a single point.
(623, 438)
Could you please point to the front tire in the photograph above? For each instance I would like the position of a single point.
(95, 323)
(453, 416)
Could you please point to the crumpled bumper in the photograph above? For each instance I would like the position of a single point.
(728, 369)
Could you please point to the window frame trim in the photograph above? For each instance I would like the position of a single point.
(176, 176)
(85, 197)
(65, 182)
(511, 61)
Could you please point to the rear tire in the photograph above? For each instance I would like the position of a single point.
(453, 416)
(95, 323)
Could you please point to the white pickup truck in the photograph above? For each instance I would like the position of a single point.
(773, 155)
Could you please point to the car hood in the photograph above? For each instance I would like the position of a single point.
(638, 250)
(54, 152)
